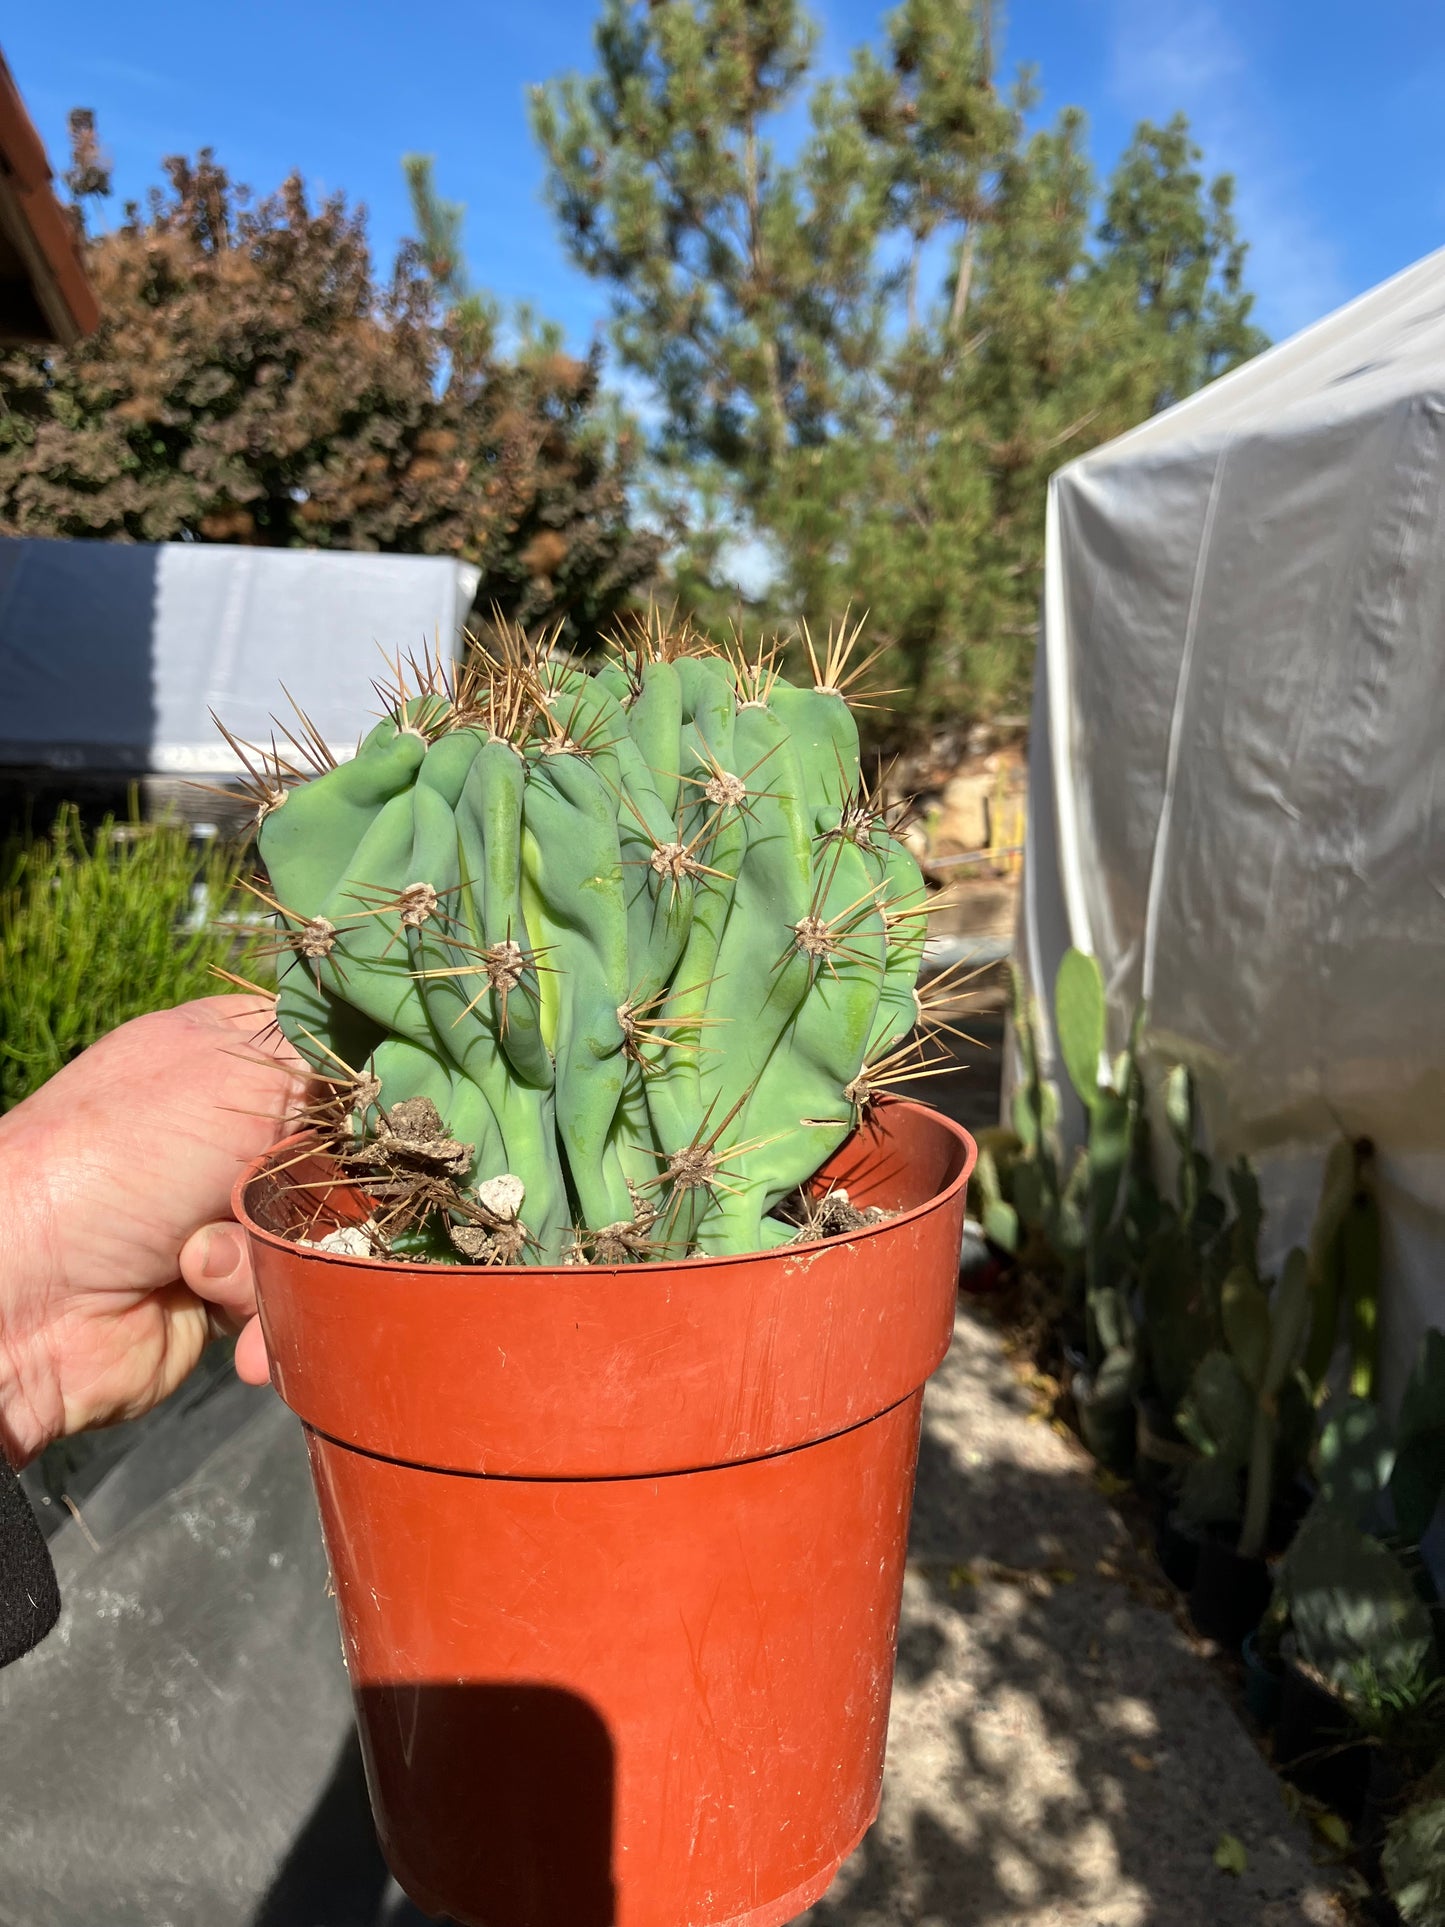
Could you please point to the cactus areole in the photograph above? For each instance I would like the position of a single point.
(639, 941)
(613, 1438)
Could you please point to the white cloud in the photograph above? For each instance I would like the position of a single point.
(1183, 54)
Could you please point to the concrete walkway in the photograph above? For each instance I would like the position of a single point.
(1060, 1754)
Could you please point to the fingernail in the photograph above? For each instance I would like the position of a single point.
(221, 1255)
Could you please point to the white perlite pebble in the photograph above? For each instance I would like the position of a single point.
(347, 1241)
(501, 1198)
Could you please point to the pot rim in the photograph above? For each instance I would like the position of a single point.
(259, 1168)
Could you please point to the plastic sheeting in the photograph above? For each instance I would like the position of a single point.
(180, 1751)
(114, 654)
(1238, 759)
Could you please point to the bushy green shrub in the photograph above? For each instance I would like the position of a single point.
(97, 927)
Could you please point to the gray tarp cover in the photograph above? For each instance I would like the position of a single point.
(114, 654)
(1238, 758)
(180, 1751)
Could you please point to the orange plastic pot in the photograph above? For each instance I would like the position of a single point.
(618, 1553)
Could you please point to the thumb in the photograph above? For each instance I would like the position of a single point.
(216, 1266)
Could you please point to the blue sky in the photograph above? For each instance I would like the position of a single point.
(1328, 113)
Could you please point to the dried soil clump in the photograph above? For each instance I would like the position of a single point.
(413, 1172)
(834, 1215)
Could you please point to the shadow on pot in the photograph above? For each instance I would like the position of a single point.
(494, 1804)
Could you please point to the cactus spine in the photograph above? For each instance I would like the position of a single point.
(640, 938)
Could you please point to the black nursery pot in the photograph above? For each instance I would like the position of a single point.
(1263, 1683)
(1176, 1546)
(1387, 1785)
(1230, 1593)
(1317, 1746)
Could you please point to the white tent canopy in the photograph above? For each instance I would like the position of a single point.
(114, 654)
(1238, 758)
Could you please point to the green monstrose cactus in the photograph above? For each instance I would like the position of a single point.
(599, 966)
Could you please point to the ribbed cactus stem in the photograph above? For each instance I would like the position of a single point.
(640, 941)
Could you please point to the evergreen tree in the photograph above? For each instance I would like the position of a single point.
(1169, 243)
(937, 128)
(744, 286)
(473, 316)
(883, 346)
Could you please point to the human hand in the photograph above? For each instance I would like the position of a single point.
(120, 1260)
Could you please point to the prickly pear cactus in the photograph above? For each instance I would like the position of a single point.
(638, 942)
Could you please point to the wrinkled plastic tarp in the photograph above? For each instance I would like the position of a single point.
(180, 1751)
(114, 654)
(1238, 759)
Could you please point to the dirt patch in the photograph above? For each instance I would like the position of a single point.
(1061, 1753)
(833, 1215)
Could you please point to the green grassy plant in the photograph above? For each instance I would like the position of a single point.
(97, 927)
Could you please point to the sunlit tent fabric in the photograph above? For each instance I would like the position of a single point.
(114, 654)
(1238, 759)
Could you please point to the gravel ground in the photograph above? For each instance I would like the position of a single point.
(1060, 1754)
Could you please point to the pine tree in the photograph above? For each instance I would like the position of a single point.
(883, 346)
(473, 316)
(743, 286)
(1170, 242)
(930, 111)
